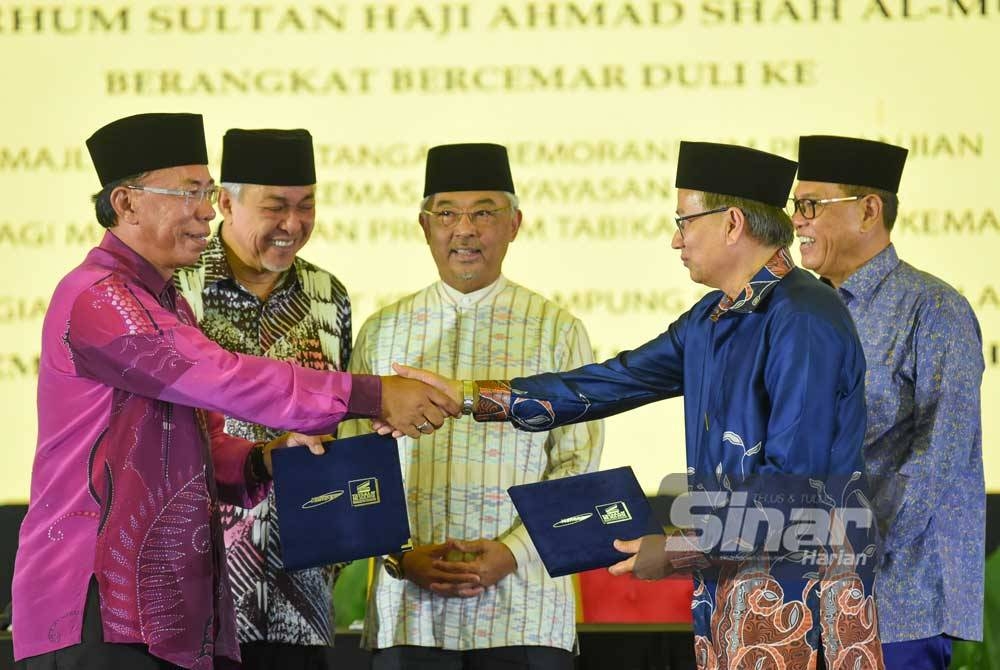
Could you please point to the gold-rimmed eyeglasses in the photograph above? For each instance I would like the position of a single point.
(449, 218)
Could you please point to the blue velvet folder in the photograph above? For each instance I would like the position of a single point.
(574, 520)
(344, 505)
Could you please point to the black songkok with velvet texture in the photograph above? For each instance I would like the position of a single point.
(145, 142)
(467, 167)
(269, 157)
(852, 161)
(728, 169)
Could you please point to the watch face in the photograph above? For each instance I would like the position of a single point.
(393, 567)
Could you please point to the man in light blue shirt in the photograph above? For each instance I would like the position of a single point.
(923, 445)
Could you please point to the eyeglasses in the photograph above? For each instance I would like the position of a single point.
(809, 207)
(191, 197)
(449, 218)
(682, 221)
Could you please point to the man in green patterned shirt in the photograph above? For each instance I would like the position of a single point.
(474, 593)
(253, 295)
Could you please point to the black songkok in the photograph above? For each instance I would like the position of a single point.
(852, 161)
(145, 142)
(268, 157)
(737, 171)
(467, 167)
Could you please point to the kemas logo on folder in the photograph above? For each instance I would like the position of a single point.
(614, 512)
(364, 491)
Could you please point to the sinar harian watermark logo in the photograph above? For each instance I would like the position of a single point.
(364, 491)
(614, 512)
(804, 521)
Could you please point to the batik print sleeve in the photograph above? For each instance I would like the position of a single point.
(634, 378)
(946, 447)
(138, 346)
(572, 450)
(949, 373)
(229, 459)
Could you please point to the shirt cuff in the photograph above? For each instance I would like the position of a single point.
(254, 468)
(366, 396)
(681, 551)
(520, 544)
(493, 403)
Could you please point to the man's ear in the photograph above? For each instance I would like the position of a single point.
(515, 223)
(736, 222)
(225, 204)
(871, 212)
(123, 202)
(425, 223)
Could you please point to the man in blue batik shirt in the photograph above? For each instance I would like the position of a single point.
(923, 446)
(772, 374)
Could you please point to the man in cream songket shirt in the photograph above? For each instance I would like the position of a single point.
(505, 611)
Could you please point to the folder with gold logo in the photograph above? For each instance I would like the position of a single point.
(574, 520)
(347, 504)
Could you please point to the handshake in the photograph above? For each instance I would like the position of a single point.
(417, 402)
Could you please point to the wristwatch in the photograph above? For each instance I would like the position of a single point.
(393, 564)
(470, 393)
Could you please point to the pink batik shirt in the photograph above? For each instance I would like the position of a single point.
(128, 474)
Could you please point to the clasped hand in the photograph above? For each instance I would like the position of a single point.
(457, 568)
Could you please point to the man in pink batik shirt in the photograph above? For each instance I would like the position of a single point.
(120, 561)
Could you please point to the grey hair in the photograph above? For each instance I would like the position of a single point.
(769, 225)
(234, 189)
(515, 203)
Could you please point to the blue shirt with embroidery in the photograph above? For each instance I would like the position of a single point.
(773, 384)
(923, 447)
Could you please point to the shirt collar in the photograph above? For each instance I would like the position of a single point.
(454, 296)
(147, 275)
(862, 284)
(762, 283)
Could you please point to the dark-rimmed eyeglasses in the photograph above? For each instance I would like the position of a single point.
(682, 221)
(191, 196)
(810, 207)
(449, 218)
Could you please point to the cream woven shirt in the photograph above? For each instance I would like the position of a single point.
(456, 479)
